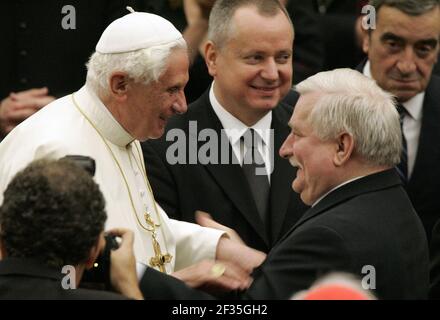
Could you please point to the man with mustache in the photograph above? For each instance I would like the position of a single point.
(345, 141)
(249, 55)
(402, 52)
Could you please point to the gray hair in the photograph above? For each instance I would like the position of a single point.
(220, 18)
(142, 66)
(350, 102)
(410, 7)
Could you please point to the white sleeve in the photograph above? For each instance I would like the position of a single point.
(193, 243)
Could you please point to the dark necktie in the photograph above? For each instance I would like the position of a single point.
(402, 167)
(256, 174)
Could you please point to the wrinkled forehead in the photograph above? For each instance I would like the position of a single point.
(416, 28)
(303, 108)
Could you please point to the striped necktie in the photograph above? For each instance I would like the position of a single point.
(402, 167)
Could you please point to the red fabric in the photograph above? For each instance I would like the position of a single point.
(335, 292)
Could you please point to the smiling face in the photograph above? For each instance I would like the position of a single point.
(151, 105)
(312, 156)
(253, 69)
(403, 50)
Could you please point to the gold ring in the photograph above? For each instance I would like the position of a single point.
(217, 270)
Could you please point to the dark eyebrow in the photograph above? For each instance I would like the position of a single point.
(288, 51)
(428, 42)
(391, 36)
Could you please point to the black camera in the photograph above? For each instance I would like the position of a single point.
(98, 277)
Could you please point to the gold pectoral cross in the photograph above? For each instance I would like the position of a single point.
(150, 221)
(159, 259)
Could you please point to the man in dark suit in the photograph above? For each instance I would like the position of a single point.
(51, 221)
(345, 141)
(402, 51)
(252, 72)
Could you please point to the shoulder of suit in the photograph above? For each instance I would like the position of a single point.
(435, 81)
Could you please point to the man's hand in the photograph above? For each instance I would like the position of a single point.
(123, 266)
(214, 276)
(231, 247)
(239, 254)
(19, 106)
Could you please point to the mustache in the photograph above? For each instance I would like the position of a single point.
(398, 76)
(293, 162)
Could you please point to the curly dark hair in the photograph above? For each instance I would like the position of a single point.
(52, 212)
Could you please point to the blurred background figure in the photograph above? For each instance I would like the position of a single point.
(340, 30)
(336, 286)
(45, 45)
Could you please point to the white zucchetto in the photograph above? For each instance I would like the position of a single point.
(137, 30)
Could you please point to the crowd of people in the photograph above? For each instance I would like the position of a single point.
(280, 169)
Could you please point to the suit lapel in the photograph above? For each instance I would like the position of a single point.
(374, 182)
(230, 177)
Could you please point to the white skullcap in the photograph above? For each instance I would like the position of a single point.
(137, 30)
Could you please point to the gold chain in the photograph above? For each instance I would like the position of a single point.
(147, 182)
(143, 170)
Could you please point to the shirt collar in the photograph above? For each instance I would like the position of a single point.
(413, 106)
(100, 116)
(234, 128)
(337, 187)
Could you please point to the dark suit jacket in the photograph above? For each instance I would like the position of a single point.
(434, 292)
(424, 184)
(337, 29)
(156, 285)
(27, 279)
(222, 190)
(368, 222)
(436, 70)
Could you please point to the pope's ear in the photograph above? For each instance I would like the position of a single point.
(118, 84)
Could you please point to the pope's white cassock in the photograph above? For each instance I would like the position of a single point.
(80, 124)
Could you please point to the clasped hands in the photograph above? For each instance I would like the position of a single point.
(19, 106)
(233, 265)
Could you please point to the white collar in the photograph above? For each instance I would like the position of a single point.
(337, 187)
(234, 128)
(100, 116)
(413, 106)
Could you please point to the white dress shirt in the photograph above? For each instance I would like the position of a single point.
(235, 129)
(412, 122)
